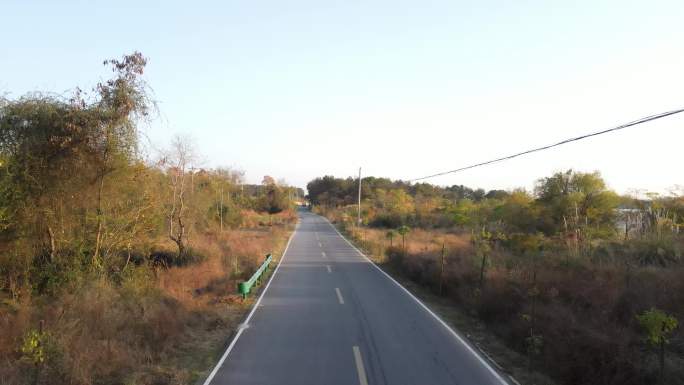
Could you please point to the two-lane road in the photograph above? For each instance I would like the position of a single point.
(329, 316)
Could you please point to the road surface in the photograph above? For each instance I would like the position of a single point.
(329, 316)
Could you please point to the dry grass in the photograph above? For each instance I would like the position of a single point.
(418, 241)
(157, 326)
(584, 311)
(232, 256)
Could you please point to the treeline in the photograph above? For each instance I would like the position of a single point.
(583, 282)
(331, 191)
(568, 207)
(83, 209)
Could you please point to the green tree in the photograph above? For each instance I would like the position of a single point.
(517, 212)
(57, 154)
(275, 199)
(575, 201)
(403, 231)
(462, 212)
(658, 327)
(47, 159)
(390, 235)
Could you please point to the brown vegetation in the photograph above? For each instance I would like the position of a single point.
(584, 313)
(115, 269)
(154, 326)
(588, 285)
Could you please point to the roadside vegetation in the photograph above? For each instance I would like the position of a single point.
(586, 284)
(119, 265)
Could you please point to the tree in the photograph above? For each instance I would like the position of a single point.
(224, 178)
(47, 158)
(399, 203)
(123, 100)
(179, 162)
(268, 181)
(658, 327)
(462, 212)
(577, 202)
(403, 230)
(331, 191)
(390, 235)
(58, 152)
(482, 242)
(518, 212)
(274, 199)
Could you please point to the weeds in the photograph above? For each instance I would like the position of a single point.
(153, 324)
(576, 321)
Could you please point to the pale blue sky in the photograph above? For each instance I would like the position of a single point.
(298, 89)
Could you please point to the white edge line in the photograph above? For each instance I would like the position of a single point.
(452, 331)
(254, 307)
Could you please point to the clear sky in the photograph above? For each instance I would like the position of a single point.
(299, 89)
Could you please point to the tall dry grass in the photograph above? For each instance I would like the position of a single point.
(583, 310)
(155, 325)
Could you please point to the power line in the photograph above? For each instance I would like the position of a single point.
(632, 123)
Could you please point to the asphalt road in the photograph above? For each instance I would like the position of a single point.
(329, 316)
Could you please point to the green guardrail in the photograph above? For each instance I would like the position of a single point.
(245, 287)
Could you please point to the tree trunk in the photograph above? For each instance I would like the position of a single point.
(179, 238)
(482, 270)
(221, 211)
(98, 237)
(180, 244)
(441, 271)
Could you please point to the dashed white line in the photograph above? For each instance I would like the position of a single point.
(339, 296)
(360, 370)
(329, 269)
(319, 244)
(323, 254)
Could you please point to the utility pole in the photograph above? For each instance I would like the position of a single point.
(358, 214)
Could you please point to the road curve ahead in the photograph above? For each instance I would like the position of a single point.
(329, 316)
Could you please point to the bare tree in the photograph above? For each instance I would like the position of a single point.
(179, 161)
